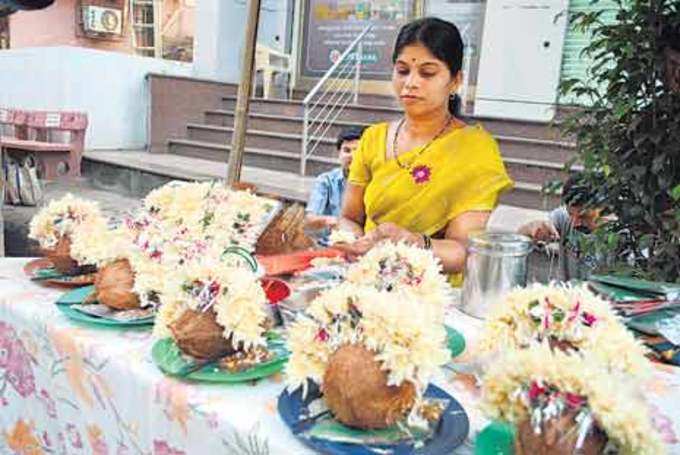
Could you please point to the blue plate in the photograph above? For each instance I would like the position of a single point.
(78, 296)
(452, 430)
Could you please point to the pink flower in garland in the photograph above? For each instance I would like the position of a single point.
(421, 174)
(573, 400)
(589, 319)
(322, 335)
(535, 390)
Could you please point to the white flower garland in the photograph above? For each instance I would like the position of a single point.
(401, 267)
(184, 222)
(63, 217)
(408, 338)
(233, 293)
(571, 314)
(614, 402)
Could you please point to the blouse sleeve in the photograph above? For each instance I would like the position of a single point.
(487, 179)
(360, 169)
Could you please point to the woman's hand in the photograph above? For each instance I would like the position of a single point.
(386, 231)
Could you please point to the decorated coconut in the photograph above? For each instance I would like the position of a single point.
(567, 318)
(213, 310)
(371, 352)
(563, 404)
(55, 226)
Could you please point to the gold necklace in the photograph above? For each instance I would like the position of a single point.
(409, 167)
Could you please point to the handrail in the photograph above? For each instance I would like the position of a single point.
(335, 96)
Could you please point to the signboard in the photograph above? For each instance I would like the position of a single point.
(331, 26)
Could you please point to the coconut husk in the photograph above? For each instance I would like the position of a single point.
(558, 437)
(285, 234)
(60, 256)
(199, 335)
(113, 286)
(356, 391)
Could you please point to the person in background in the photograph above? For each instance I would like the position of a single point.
(566, 225)
(325, 200)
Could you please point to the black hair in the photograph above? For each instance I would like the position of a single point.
(442, 39)
(351, 133)
(578, 191)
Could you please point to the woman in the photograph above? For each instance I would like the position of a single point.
(428, 179)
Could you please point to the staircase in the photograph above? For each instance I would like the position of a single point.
(533, 152)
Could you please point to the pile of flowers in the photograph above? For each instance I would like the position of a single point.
(391, 267)
(540, 384)
(181, 223)
(64, 217)
(571, 316)
(408, 339)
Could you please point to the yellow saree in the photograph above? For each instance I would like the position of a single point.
(461, 171)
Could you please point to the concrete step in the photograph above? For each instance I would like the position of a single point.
(135, 173)
(370, 114)
(529, 175)
(511, 146)
(260, 139)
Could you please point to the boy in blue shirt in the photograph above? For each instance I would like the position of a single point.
(325, 200)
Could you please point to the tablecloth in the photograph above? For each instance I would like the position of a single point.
(67, 388)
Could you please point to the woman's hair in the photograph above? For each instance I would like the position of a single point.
(442, 39)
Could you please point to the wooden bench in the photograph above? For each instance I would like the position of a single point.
(56, 138)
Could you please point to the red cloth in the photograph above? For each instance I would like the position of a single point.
(283, 264)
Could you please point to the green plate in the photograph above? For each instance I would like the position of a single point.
(167, 356)
(46, 273)
(77, 296)
(497, 438)
(455, 341)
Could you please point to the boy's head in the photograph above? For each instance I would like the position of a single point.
(347, 142)
(577, 195)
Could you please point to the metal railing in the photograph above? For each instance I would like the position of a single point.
(329, 97)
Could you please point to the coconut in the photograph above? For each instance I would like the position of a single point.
(198, 334)
(113, 286)
(60, 256)
(558, 436)
(356, 391)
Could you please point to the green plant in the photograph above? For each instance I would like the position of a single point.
(627, 132)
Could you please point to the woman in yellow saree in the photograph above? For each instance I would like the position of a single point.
(428, 179)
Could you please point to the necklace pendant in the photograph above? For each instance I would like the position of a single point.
(421, 174)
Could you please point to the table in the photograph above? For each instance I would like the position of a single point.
(70, 388)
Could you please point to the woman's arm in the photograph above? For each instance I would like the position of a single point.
(353, 215)
(451, 250)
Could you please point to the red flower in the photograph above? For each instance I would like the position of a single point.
(322, 335)
(421, 174)
(573, 400)
(588, 319)
(535, 390)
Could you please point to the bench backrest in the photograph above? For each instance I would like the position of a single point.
(65, 121)
(44, 122)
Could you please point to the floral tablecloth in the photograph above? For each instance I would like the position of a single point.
(67, 388)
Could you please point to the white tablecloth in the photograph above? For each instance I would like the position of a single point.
(67, 388)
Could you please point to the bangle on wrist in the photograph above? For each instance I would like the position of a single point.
(427, 242)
